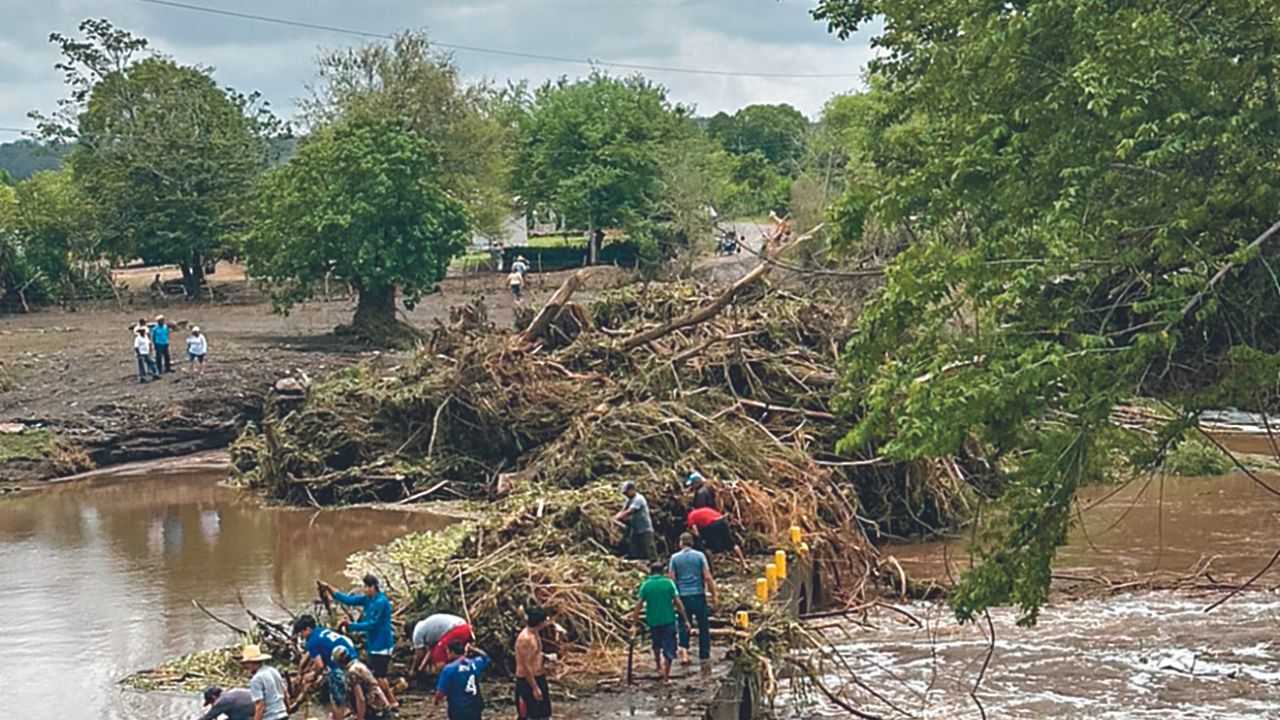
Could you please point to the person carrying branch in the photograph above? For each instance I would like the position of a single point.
(375, 623)
(660, 602)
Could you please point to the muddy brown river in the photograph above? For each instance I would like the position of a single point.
(99, 575)
(1133, 654)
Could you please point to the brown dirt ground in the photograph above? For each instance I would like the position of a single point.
(74, 372)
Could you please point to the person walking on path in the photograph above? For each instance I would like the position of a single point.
(375, 623)
(694, 583)
(533, 697)
(160, 338)
(515, 281)
(712, 528)
(661, 605)
(520, 265)
(317, 658)
(142, 352)
(459, 683)
(703, 495)
(368, 701)
(234, 704)
(266, 688)
(635, 513)
(197, 348)
(431, 637)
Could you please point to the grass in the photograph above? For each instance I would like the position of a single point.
(30, 445)
(554, 241)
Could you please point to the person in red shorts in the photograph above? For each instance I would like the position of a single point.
(431, 638)
(712, 528)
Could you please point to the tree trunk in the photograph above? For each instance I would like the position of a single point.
(193, 277)
(594, 237)
(375, 319)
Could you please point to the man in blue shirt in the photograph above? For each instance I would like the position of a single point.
(318, 657)
(692, 573)
(375, 623)
(459, 682)
(160, 338)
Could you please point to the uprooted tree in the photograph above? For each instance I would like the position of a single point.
(361, 203)
(1092, 191)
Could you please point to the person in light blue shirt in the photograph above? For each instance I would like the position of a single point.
(692, 573)
(375, 623)
(160, 338)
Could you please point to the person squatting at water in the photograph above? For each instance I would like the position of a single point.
(635, 513)
(317, 658)
(533, 697)
(375, 623)
(660, 602)
(459, 683)
(267, 689)
(234, 704)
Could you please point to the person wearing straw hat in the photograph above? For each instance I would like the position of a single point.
(266, 688)
(160, 338)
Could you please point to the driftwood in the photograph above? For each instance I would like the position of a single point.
(551, 310)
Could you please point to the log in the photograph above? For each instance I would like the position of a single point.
(551, 310)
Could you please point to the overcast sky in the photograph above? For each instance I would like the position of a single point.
(751, 36)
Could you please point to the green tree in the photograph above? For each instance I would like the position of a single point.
(405, 79)
(1090, 191)
(592, 150)
(54, 222)
(164, 153)
(776, 131)
(362, 202)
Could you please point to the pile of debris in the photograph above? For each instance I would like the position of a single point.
(646, 383)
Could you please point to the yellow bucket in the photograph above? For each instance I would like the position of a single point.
(780, 559)
(771, 575)
(762, 590)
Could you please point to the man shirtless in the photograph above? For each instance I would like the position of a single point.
(533, 699)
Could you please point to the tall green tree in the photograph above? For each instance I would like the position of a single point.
(1092, 191)
(164, 153)
(592, 150)
(361, 201)
(776, 131)
(55, 223)
(407, 79)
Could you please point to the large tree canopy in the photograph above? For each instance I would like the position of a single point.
(406, 80)
(777, 132)
(1090, 184)
(361, 202)
(592, 149)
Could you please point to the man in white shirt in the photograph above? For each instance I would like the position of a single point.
(142, 351)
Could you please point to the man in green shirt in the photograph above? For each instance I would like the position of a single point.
(660, 602)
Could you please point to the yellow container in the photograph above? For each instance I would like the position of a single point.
(803, 549)
(780, 559)
(743, 619)
(795, 534)
(762, 590)
(771, 574)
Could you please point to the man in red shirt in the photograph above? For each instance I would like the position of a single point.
(712, 527)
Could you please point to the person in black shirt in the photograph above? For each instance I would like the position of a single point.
(703, 496)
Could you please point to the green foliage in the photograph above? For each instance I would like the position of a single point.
(1074, 173)
(778, 132)
(407, 80)
(162, 152)
(1194, 457)
(756, 186)
(362, 201)
(592, 149)
(21, 159)
(55, 224)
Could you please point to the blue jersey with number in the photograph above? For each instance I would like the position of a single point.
(460, 682)
(323, 641)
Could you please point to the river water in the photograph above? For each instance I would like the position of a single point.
(99, 575)
(1133, 654)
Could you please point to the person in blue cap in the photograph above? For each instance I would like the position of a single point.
(703, 496)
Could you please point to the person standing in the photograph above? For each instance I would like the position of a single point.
(459, 683)
(520, 265)
(142, 352)
(692, 574)
(515, 281)
(660, 603)
(160, 338)
(266, 688)
(197, 348)
(234, 704)
(533, 697)
(367, 698)
(375, 623)
(431, 637)
(635, 513)
(703, 496)
(317, 657)
(709, 525)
